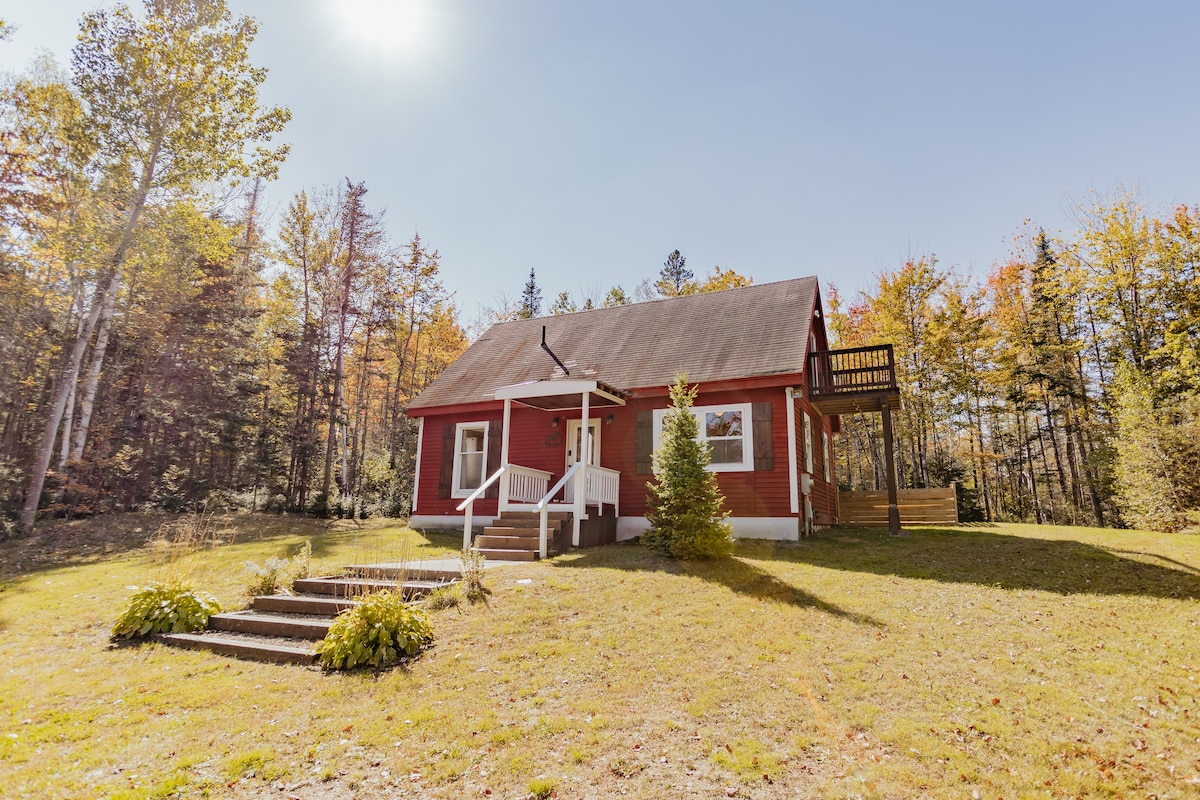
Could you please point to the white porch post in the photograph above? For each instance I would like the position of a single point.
(581, 475)
(507, 476)
(793, 479)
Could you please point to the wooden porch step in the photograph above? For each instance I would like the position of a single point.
(496, 554)
(502, 542)
(293, 626)
(510, 517)
(517, 533)
(526, 524)
(303, 604)
(244, 646)
(357, 587)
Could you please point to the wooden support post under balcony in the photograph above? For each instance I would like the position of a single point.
(890, 465)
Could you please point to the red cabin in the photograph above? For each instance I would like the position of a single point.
(502, 441)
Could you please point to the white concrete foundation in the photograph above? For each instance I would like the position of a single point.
(448, 521)
(777, 528)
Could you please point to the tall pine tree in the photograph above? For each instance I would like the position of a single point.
(531, 298)
(675, 279)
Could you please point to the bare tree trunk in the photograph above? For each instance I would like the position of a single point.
(64, 451)
(1039, 515)
(93, 378)
(70, 374)
(354, 195)
(1046, 471)
(1058, 459)
(1088, 470)
(62, 390)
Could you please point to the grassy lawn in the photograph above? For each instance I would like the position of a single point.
(999, 661)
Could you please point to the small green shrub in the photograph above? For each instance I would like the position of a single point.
(444, 597)
(541, 788)
(378, 631)
(472, 575)
(165, 607)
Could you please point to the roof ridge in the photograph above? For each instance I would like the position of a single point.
(751, 331)
(662, 299)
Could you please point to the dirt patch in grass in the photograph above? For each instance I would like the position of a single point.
(829, 668)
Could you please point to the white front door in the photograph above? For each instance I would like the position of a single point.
(575, 447)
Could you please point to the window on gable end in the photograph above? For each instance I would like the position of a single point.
(825, 456)
(808, 444)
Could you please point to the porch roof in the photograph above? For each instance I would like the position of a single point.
(562, 395)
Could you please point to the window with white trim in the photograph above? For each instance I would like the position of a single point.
(808, 447)
(825, 444)
(727, 430)
(470, 455)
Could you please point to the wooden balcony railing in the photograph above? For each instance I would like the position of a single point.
(857, 369)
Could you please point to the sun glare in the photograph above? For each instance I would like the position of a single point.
(383, 27)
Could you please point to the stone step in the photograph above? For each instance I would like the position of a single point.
(244, 646)
(494, 554)
(290, 626)
(302, 604)
(357, 587)
(400, 573)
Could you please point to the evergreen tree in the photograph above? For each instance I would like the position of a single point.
(686, 515)
(675, 279)
(562, 304)
(616, 297)
(531, 298)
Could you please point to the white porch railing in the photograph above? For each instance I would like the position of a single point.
(543, 507)
(603, 486)
(468, 505)
(519, 484)
(526, 485)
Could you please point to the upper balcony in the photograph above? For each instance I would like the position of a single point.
(858, 379)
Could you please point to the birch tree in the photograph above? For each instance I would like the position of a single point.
(170, 102)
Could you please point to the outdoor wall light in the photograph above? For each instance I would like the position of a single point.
(554, 422)
(608, 420)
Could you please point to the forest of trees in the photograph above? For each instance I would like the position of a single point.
(164, 345)
(157, 347)
(1066, 389)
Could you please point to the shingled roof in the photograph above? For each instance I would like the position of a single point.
(755, 331)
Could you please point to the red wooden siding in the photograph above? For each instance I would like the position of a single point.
(824, 495)
(534, 441)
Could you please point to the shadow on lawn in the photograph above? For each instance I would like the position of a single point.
(60, 543)
(732, 573)
(989, 558)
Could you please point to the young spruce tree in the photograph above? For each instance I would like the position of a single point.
(531, 299)
(687, 518)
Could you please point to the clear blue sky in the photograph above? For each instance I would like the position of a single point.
(589, 139)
